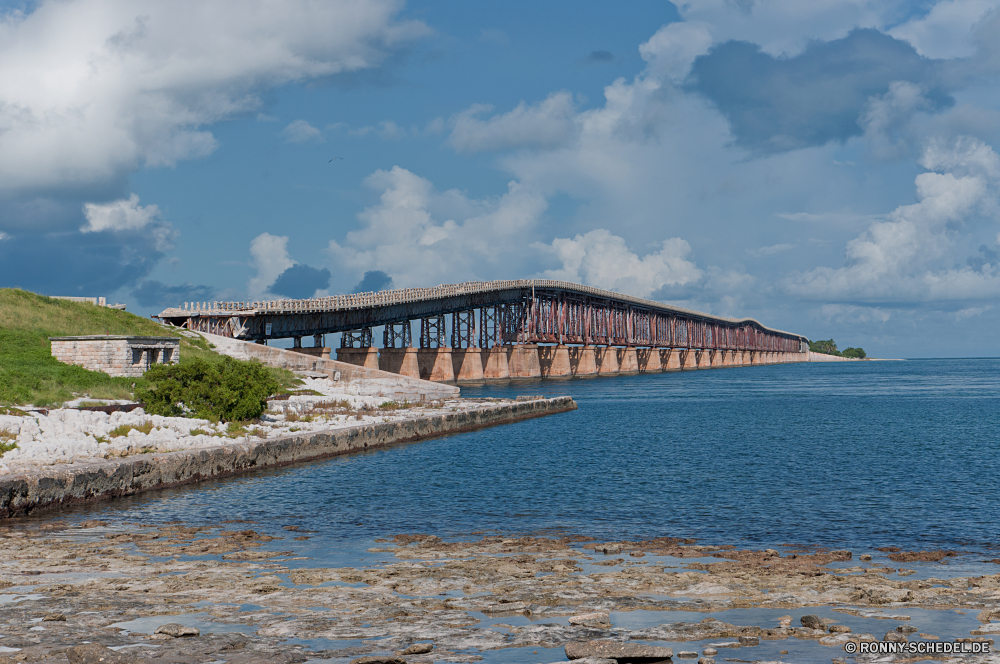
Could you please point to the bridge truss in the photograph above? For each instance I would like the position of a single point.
(527, 311)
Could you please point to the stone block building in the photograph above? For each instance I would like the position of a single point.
(117, 355)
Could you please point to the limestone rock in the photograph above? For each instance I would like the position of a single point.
(506, 607)
(895, 637)
(95, 653)
(709, 652)
(906, 629)
(839, 629)
(616, 650)
(812, 622)
(749, 640)
(418, 649)
(378, 659)
(706, 660)
(866, 558)
(177, 630)
(598, 619)
(55, 617)
(687, 654)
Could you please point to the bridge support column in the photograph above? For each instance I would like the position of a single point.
(522, 361)
(402, 361)
(627, 360)
(670, 359)
(468, 363)
(360, 357)
(649, 360)
(315, 351)
(607, 360)
(583, 361)
(436, 364)
(554, 361)
(689, 359)
(495, 363)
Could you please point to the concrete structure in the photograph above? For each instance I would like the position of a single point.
(544, 328)
(96, 301)
(56, 487)
(359, 380)
(117, 355)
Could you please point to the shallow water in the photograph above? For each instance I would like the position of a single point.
(852, 455)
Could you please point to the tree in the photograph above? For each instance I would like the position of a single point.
(828, 347)
(858, 353)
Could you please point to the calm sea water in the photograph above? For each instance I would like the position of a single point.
(843, 455)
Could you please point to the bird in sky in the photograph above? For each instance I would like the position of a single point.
(331, 161)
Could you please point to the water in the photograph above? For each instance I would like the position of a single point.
(855, 455)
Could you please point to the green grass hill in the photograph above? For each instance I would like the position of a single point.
(30, 375)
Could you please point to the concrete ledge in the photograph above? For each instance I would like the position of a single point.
(57, 486)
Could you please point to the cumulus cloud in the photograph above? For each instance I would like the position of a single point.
(94, 89)
(777, 104)
(269, 258)
(374, 280)
(946, 30)
(601, 259)
(300, 282)
(301, 131)
(546, 124)
(909, 257)
(122, 215)
(672, 50)
(770, 250)
(418, 236)
(885, 121)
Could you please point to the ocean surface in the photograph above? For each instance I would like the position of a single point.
(845, 455)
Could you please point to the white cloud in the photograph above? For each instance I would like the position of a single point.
(121, 215)
(944, 31)
(885, 120)
(547, 124)
(673, 48)
(301, 131)
(971, 312)
(93, 89)
(601, 259)
(3, 236)
(910, 256)
(770, 250)
(269, 257)
(419, 236)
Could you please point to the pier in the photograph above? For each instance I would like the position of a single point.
(529, 328)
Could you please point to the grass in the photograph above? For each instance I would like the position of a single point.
(7, 441)
(123, 429)
(30, 375)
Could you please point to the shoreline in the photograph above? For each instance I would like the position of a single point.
(494, 598)
(51, 487)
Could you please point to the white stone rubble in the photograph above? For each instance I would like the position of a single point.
(68, 435)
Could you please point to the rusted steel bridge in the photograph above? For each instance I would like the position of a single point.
(525, 328)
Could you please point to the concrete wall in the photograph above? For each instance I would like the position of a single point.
(116, 355)
(85, 482)
(361, 381)
(823, 357)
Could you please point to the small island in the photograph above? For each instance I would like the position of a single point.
(829, 347)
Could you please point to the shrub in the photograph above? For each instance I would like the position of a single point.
(826, 346)
(855, 352)
(228, 390)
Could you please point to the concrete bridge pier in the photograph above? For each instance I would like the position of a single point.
(361, 357)
(495, 363)
(628, 361)
(522, 361)
(436, 364)
(670, 359)
(583, 361)
(402, 361)
(649, 360)
(468, 364)
(607, 360)
(554, 361)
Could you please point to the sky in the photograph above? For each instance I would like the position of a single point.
(828, 167)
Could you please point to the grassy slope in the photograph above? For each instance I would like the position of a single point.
(30, 375)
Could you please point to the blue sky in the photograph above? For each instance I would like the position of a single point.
(827, 167)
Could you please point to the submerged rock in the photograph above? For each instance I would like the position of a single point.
(616, 650)
(177, 630)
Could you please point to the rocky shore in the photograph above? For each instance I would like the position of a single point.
(241, 592)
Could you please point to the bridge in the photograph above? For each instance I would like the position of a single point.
(527, 328)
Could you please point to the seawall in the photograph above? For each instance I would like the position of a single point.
(69, 484)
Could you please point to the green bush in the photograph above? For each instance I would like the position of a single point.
(227, 390)
(855, 352)
(826, 346)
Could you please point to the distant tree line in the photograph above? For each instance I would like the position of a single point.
(829, 347)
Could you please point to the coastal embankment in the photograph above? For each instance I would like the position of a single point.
(50, 487)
